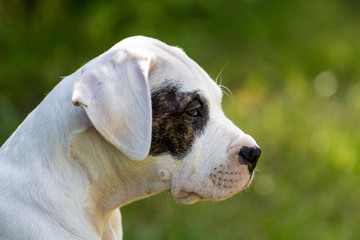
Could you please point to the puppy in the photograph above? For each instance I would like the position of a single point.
(139, 119)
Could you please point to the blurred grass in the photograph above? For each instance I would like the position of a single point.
(292, 66)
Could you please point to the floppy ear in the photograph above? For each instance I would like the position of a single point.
(114, 91)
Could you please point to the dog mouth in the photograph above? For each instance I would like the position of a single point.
(190, 197)
(185, 197)
(223, 184)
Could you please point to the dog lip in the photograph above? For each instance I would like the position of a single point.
(249, 181)
(187, 197)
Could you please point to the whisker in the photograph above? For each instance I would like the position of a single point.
(219, 81)
(179, 203)
(226, 91)
(219, 75)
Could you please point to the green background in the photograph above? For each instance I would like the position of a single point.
(292, 67)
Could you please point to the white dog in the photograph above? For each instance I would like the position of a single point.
(139, 119)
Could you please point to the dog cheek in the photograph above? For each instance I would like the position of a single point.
(171, 135)
(183, 137)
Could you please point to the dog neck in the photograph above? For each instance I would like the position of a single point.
(114, 180)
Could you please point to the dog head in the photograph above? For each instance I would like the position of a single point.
(153, 103)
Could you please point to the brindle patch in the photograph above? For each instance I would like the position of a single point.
(173, 128)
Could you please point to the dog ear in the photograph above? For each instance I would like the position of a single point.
(114, 91)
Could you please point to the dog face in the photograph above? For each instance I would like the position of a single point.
(211, 158)
(156, 105)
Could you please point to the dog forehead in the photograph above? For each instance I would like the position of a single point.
(171, 64)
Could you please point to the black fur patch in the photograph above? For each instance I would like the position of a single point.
(174, 127)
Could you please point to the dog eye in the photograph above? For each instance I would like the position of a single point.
(193, 112)
(193, 109)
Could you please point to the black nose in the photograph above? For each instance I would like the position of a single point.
(249, 156)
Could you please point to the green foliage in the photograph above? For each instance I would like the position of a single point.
(292, 66)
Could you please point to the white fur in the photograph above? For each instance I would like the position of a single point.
(67, 169)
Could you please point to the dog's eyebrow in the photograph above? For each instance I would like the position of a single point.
(194, 104)
(169, 99)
